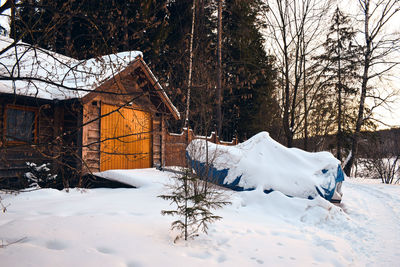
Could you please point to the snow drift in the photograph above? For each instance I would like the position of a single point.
(262, 163)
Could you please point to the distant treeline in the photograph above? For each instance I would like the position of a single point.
(385, 143)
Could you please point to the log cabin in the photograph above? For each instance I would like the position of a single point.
(82, 117)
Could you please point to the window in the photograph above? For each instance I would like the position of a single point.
(20, 124)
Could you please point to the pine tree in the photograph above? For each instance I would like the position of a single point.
(341, 66)
(249, 100)
(174, 59)
(89, 28)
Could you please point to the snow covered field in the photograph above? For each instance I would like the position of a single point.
(124, 227)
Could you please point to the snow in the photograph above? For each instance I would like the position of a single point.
(4, 17)
(124, 227)
(49, 75)
(263, 163)
(138, 178)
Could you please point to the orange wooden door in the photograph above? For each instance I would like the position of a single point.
(126, 138)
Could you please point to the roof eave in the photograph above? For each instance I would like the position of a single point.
(159, 89)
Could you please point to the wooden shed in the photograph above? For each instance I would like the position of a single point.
(86, 116)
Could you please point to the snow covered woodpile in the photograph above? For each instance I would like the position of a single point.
(263, 164)
(90, 115)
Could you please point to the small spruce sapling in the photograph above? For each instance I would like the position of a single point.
(194, 200)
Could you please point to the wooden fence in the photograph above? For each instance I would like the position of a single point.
(175, 145)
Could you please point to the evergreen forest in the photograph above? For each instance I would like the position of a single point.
(161, 30)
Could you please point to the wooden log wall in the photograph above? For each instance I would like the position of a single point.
(15, 155)
(71, 131)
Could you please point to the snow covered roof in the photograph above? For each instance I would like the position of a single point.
(32, 71)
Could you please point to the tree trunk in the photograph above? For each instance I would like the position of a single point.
(286, 108)
(354, 145)
(219, 70)
(305, 96)
(125, 29)
(339, 118)
(190, 65)
(339, 134)
(68, 39)
(12, 21)
(367, 59)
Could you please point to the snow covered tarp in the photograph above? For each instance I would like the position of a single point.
(264, 164)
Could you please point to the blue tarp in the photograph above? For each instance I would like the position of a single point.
(218, 177)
